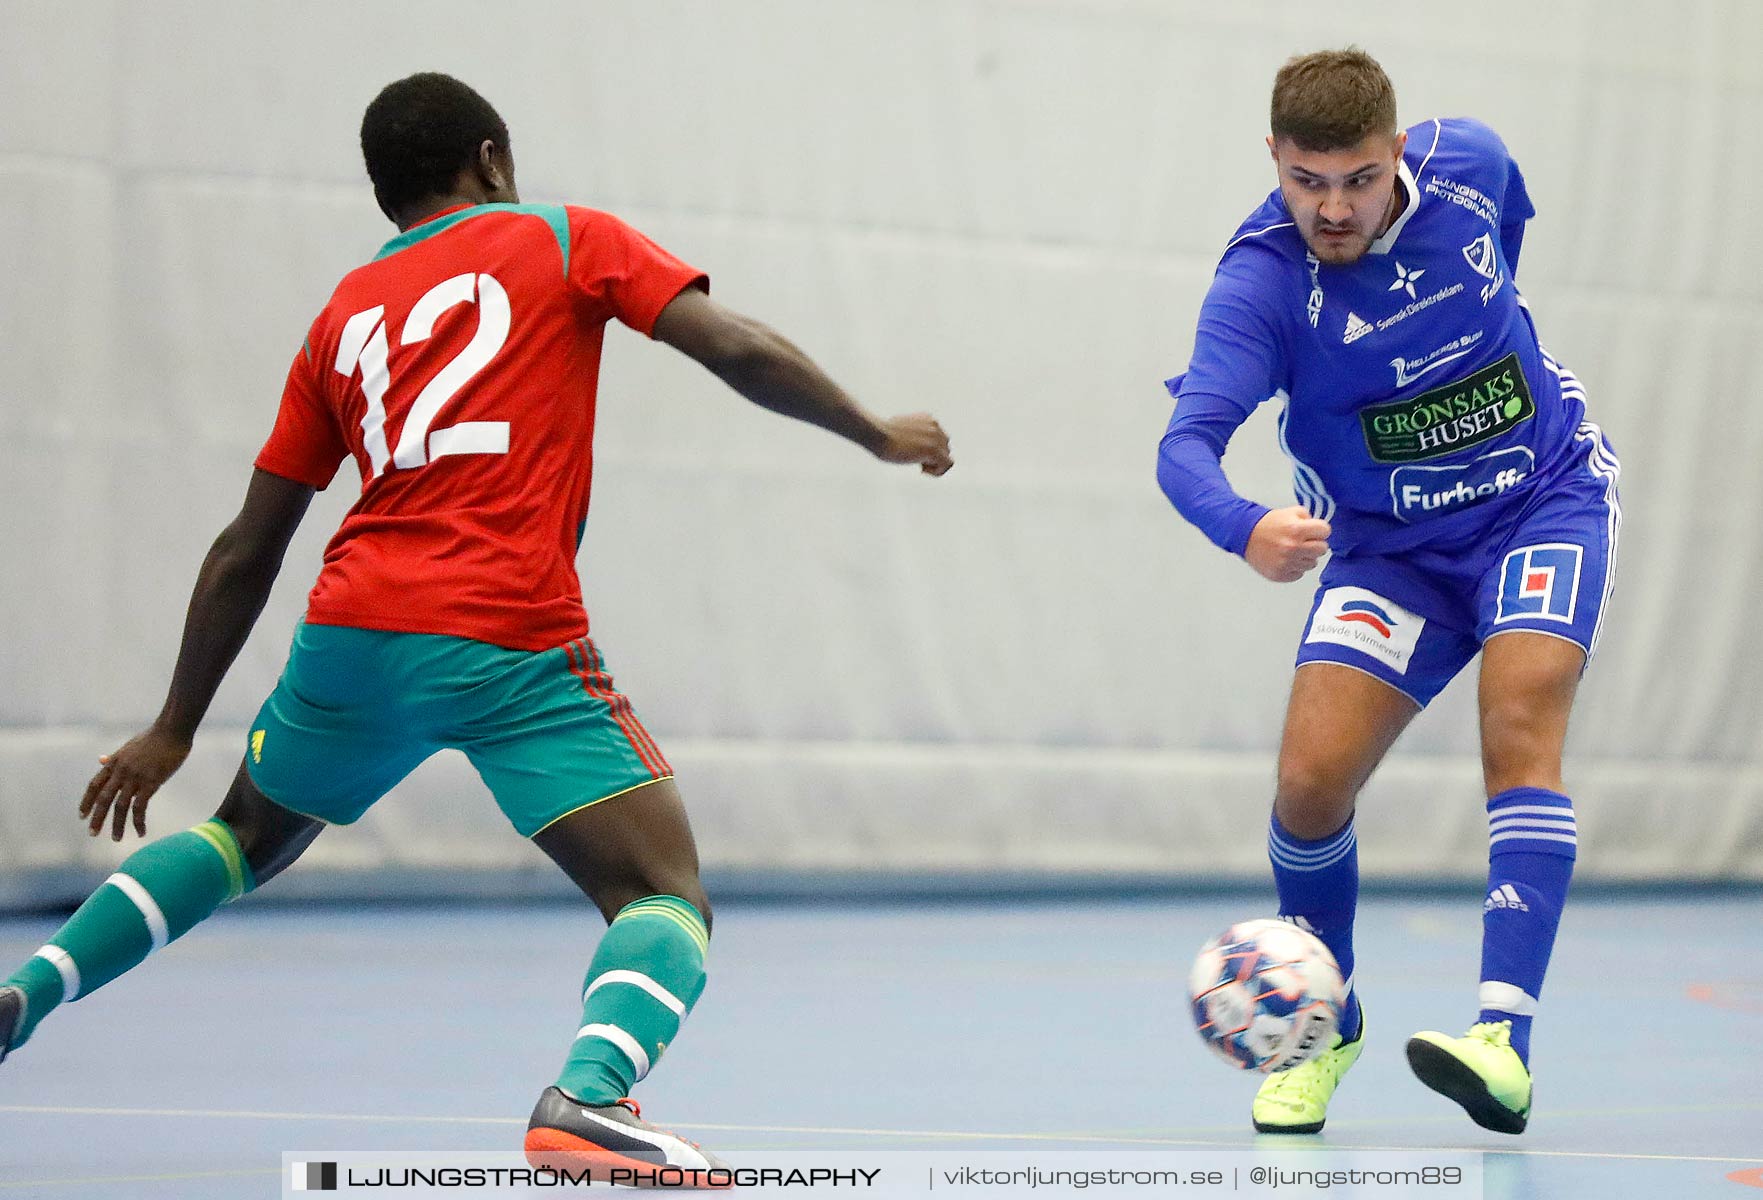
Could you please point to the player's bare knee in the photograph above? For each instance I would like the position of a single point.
(1520, 746)
(699, 900)
(271, 847)
(270, 837)
(1518, 761)
(1313, 801)
(614, 895)
(687, 887)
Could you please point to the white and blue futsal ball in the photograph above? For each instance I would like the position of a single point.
(1267, 995)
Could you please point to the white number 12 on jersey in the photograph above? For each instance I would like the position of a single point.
(364, 345)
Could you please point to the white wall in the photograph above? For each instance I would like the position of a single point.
(1005, 211)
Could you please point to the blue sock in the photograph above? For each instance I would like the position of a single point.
(1531, 845)
(1318, 886)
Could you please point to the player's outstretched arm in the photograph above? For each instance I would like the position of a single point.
(1287, 543)
(765, 367)
(230, 592)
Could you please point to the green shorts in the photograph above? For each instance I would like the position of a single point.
(356, 710)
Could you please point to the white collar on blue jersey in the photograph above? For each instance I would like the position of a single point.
(1406, 178)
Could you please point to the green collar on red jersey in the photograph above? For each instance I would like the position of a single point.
(553, 215)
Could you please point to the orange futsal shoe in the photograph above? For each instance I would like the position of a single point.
(615, 1144)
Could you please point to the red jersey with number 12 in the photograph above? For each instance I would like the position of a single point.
(460, 368)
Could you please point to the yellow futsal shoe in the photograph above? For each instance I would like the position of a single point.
(1296, 1101)
(1480, 1070)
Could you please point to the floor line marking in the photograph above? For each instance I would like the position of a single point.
(1454, 1118)
(1708, 1158)
(856, 1132)
(252, 1115)
(25, 1183)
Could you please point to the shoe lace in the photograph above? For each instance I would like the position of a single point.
(1494, 1033)
(636, 1111)
(1305, 1081)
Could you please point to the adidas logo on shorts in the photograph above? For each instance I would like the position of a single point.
(1504, 897)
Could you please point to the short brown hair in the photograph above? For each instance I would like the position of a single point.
(1332, 99)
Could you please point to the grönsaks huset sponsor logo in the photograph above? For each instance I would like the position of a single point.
(1464, 413)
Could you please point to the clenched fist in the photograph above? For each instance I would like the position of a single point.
(1286, 544)
(916, 439)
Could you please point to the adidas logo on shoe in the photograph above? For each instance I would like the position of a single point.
(1505, 896)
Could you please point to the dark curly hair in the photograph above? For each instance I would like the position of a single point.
(419, 133)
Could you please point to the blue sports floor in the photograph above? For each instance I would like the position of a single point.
(1043, 1025)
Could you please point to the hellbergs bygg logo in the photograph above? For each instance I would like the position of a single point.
(1367, 613)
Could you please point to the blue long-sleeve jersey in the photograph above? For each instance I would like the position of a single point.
(1418, 405)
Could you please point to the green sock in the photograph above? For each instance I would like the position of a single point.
(645, 977)
(158, 894)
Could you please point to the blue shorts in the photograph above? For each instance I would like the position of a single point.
(1415, 619)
